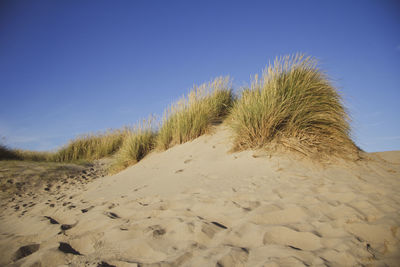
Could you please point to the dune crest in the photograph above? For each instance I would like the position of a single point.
(198, 204)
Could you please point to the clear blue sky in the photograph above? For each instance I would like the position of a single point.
(73, 67)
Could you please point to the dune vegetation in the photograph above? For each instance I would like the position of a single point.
(92, 146)
(7, 153)
(183, 121)
(193, 114)
(293, 105)
(137, 143)
(84, 148)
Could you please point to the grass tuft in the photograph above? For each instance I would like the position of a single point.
(34, 155)
(137, 143)
(19, 154)
(192, 116)
(7, 153)
(91, 147)
(293, 104)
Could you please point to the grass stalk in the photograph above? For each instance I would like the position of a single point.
(293, 104)
(138, 142)
(193, 114)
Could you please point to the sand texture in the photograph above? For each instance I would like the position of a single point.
(198, 204)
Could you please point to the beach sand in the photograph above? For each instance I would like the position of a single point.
(198, 204)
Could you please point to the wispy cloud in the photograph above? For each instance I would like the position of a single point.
(22, 138)
(31, 141)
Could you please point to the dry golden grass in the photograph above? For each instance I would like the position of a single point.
(138, 142)
(192, 116)
(34, 155)
(295, 105)
(19, 154)
(91, 147)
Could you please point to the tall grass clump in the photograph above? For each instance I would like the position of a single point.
(138, 142)
(192, 116)
(91, 147)
(292, 104)
(34, 155)
(7, 153)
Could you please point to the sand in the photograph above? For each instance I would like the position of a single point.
(198, 204)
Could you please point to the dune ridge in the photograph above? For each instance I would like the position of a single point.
(293, 105)
(198, 204)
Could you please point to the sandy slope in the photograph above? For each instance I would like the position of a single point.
(198, 205)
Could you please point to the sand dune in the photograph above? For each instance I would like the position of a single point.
(197, 204)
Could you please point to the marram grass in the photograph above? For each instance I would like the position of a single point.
(91, 147)
(292, 104)
(84, 148)
(138, 142)
(193, 115)
(19, 154)
(34, 155)
(7, 153)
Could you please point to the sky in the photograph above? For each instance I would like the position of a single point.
(73, 67)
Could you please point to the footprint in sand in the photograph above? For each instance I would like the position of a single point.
(298, 240)
(105, 264)
(112, 215)
(158, 231)
(52, 221)
(87, 209)
(234, 258)
(65, 227)
(66, 248)
(211, 229)
(247, 235)
(24, 251)
(219, 225)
